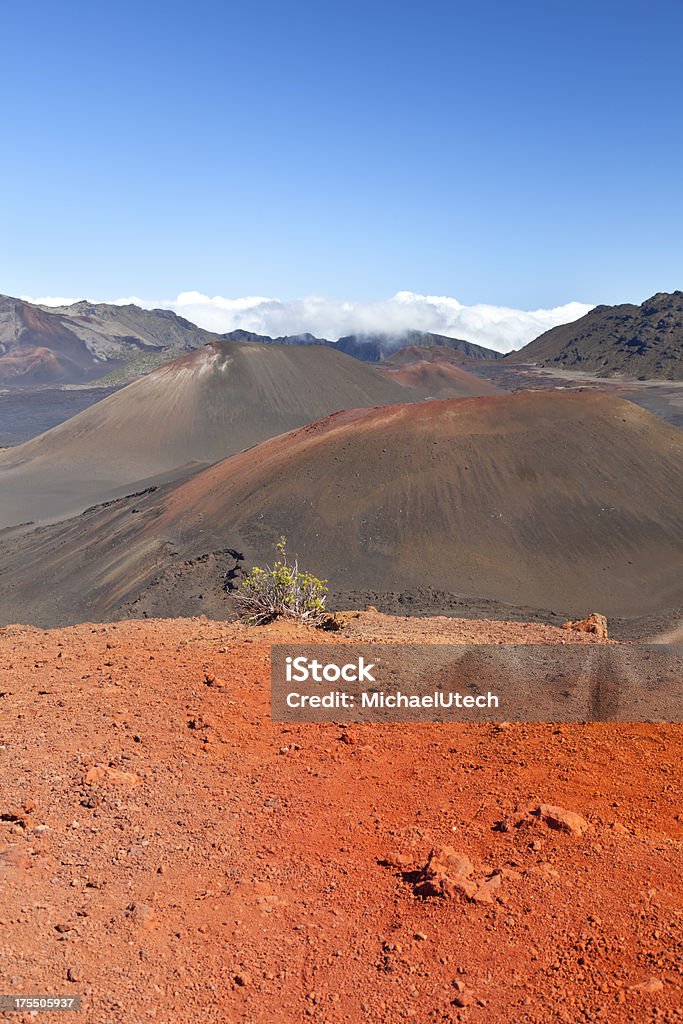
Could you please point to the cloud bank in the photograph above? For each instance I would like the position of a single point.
(497, 327)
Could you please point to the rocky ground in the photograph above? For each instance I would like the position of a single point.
(171, 855)
(663, 398)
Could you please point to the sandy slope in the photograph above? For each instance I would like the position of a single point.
(235, 873)
(436, 372)
(197, 409)
(435, 381)
(570, 502)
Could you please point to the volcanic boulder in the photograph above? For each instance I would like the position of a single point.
(594, 623)
(447, 873)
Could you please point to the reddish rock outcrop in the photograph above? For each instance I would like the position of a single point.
(103, 775)
(562, 820)
(447, 873)
(594, 623)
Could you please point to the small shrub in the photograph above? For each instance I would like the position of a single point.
(281, 591)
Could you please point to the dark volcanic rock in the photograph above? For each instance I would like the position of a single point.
(637, 341)
(375, 347)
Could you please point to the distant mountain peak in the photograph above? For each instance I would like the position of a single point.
(374, 347)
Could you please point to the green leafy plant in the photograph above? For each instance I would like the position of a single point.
(281, 591)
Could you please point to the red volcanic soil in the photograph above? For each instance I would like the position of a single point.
(170, 854)
(435, 372)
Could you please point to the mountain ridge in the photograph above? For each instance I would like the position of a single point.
(80, 343)
(375, 347)
(85, 342)
(636, 341)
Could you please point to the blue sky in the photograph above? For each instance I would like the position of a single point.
(522, 153)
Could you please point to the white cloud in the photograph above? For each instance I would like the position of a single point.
(49, 300)
(498, 327)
